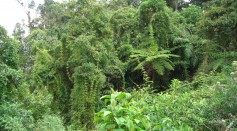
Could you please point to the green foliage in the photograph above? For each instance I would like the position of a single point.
(175, 83)
(124, 23)
(3, 32)
(161, 29)
(14, 117)
(50, 122)
(118, 4)
(144, 111)
(88, 81)
(223, 104)
(148, 8)
(213, 61)
(159, 60)
(124, 52)
(43, 66)
(10, 77)
(9, 81)
(8, 50)
(198, 2)
(92, 63)
(234, 73)
(187, 106)
(121, 114)
(52, 16)
(153, 14)
(38, 102)
(192, 14)
(77, 50)
(219, 23)
(40, 39)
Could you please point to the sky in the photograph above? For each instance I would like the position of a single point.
(11, 12)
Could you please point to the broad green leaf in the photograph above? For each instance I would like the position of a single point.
(110, 126)
(129, 124)
(119, 130)
(120, 121)
(137, 121)
(121, 109)
(105, 97)
(106, 113)
(121, 96)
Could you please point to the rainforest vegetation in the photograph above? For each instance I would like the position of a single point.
(121, 65)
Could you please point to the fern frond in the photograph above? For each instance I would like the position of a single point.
(167, 64)
(158, 67)
(140, 65)
(217, 63)
(164, 52)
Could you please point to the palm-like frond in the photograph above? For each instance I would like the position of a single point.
(158, 67)
(158, 59)
(168, 64)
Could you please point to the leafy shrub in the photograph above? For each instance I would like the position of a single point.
(121, 114)
(142, 110)
(202, 104)
(14, 117)
(234, 73)
(192, 14)
(221, 112)
(9, 79)
(50, 123)
(39, 101)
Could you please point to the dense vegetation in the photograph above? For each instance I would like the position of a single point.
(121, 65)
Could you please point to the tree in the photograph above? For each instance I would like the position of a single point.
(28, 7)
(218, 26)
(88, 82)
(10, 75)
(192, 14)
(19, 32)
(53, 16)
(91, 63)
(198, 2)
(173, 4)
(124, 24)
(152, 59)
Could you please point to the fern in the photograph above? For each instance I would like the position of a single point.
(159, 61)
